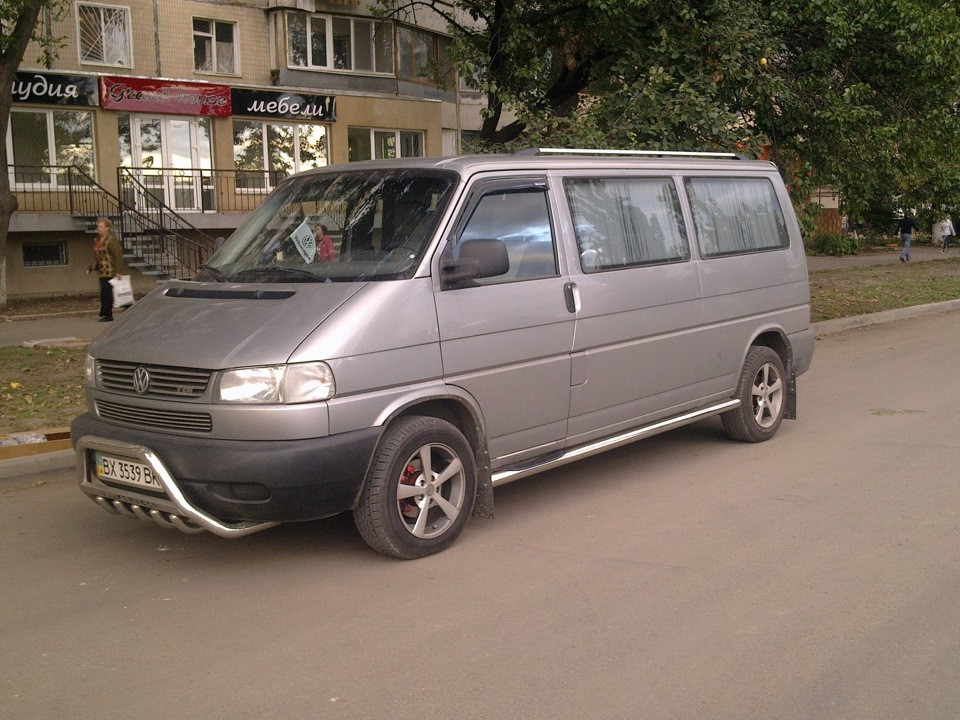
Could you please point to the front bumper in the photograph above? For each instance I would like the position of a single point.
(228, 487)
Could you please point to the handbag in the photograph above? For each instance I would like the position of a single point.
(122, 291)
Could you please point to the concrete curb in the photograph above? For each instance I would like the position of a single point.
(32, 464)
(828, 327)
(44, 316)
(62, 459)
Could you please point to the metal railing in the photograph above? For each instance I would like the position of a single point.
(89, 199)
(157, 233)
(188, 190)
(68, 188)
(148, 205)
(45, 188)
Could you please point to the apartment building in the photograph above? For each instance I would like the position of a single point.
(176, 118)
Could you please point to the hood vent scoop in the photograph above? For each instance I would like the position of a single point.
(179, 292)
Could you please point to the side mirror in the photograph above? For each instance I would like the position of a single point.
(478, 259)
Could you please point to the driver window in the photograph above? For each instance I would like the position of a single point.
(521, 219)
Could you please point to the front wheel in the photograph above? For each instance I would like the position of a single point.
(762, 394)
(420, 490)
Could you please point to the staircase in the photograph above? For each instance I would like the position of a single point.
(156, 240)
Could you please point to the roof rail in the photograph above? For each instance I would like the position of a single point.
(648, 153)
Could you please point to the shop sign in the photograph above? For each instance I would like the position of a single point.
(288, 105)
(164, 96)
(55, 89)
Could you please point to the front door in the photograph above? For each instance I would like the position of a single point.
(507, 340)
(169, 154)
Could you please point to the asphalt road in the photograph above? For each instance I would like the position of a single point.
(813, 576)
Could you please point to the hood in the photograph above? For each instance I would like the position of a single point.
(221, 325)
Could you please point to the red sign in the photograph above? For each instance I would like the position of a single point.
(164, 96)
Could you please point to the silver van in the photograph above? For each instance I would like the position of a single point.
(481, 319)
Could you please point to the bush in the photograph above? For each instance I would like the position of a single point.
(824, 243)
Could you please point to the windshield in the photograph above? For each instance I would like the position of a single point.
(342, 227)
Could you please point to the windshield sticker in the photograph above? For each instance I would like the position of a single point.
(304, 241)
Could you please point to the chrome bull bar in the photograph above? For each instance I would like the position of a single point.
(171, 510)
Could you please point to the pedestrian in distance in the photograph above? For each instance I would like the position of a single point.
(906, 225)
(950, 231)
(325, 251)
(940, 228)
(107, 263)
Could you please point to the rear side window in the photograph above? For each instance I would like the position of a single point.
(734, 216)
(625, 222)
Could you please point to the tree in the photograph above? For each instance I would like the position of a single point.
(18, 19)
(869, 99)
(859, 94)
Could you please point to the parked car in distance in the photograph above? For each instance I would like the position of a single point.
(483, 319)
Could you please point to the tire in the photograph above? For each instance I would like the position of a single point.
(762, 391)
(405, 511)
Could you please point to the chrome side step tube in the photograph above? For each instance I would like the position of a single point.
(580, 452)
(171, 511)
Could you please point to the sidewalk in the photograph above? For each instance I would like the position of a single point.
(52, 328)
(83, 328)
(886, 256)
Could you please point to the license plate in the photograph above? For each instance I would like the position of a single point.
(126, 471)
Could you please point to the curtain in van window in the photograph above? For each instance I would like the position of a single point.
(735, 216)
(622, 222)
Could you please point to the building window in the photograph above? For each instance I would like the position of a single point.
(339, 43)
(41, 144)
(44, 254)
(214, 47)
(424, 57)
(104, 35)
(470, 140)
(265, 153)
(370, 144)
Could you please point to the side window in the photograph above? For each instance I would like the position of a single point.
(736, 216)
(521, 219)
(625, 222)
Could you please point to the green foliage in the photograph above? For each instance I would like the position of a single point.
(856, 94)
(16, 12)
(837, 244)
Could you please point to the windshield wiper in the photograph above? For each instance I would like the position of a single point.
(286, 273)
(213, 272)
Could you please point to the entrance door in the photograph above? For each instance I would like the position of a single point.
(170, 153)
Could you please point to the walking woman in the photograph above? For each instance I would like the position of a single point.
(108, 263)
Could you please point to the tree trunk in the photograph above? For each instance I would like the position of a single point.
(13, 50)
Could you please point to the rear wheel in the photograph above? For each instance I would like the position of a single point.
(762, 394)
(420, 489)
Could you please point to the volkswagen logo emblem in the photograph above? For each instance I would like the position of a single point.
(141, 380)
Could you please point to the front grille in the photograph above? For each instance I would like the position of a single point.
(165, 419)
(168, 382)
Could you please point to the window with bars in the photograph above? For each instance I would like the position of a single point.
(104, 35)
(214, 46)
(44, 254)
(339, 43)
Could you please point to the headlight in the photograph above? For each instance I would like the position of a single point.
(300, 383)
(90, 371)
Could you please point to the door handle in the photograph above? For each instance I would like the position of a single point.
(570, 295)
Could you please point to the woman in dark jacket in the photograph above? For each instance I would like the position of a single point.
(108, 262)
